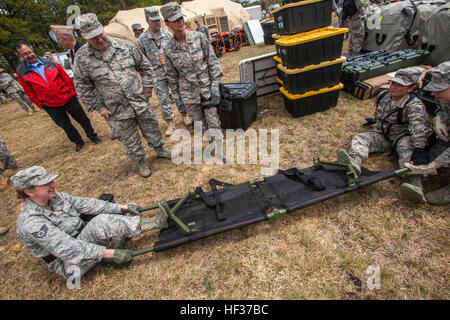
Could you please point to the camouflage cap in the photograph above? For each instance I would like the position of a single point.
(407, 76)
(58, 29)
(440, 77)
(171, 12)
(47, 54)
(32, 177)
(152, 13)
(136, 26)
(90, 27)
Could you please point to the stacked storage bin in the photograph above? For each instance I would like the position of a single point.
(309, 56)
(269, 30)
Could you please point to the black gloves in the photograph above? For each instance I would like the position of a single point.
(419, 156)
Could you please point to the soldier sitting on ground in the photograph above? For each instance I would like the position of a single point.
(401, 126)
(440, 151)
(49, 225)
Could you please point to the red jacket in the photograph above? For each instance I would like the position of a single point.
(57, 92)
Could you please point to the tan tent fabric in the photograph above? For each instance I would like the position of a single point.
(234, 11)
(120, 25)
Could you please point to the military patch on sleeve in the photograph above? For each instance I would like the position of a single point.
(41, 233)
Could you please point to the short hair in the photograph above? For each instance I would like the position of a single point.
(19, 45)
(66, 35)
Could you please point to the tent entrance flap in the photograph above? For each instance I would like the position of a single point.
(261, 199)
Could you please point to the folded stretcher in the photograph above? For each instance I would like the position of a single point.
(201, 214)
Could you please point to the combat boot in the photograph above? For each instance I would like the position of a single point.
(3, 182)
(439, 197)
(144, 169)
(186, 119)
(413, 189)
(159, 220)
(162, 153)
(344, 157)
(35, 109)
(170, 128)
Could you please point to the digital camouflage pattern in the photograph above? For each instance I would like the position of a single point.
(356, 28)
(192, 68)
(171, 11)
(56, 231)
(109, 79)
(15, 91)
(407, 76)
(413, 133)
(441, 153)
(90, 27)
(440, 77)
(204, 29)
(7, 161)
(32, 177)
(152, 47)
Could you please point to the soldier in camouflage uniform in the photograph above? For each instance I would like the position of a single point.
(440, 152)
(203, 29)
(109, 66)
(402, 125)
(49, 225)
(7, 161)
(355, 23)
(192, 69)
(15, 91)
(137, 29)
(152, 43)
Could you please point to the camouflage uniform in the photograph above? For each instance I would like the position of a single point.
(57, 233)
(113, 75)
(60, 231)
(204, 29)
(15, 91)
(7, 161)
(151, 46)
(191, 69)
(404, 137)
(356, 31)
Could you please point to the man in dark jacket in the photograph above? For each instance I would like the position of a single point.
(67, 40)
(50, 88)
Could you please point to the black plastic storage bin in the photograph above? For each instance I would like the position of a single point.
(302, 16)
(310, 102)
(311, 47)
(268, 39)
(312, 77)
(244, 106)
(268, 27)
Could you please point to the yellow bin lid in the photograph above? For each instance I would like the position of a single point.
(310, 93)
(309, 36)
(312, 66)
(295, 4)
(277, 59)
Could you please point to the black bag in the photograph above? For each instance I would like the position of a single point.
(348, 9)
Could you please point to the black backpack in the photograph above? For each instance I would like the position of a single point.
(348, 9)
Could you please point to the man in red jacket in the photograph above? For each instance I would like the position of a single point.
(50, 88)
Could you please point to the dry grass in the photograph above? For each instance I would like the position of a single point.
(321, 252)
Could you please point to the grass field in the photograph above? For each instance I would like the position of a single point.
(321, 252)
